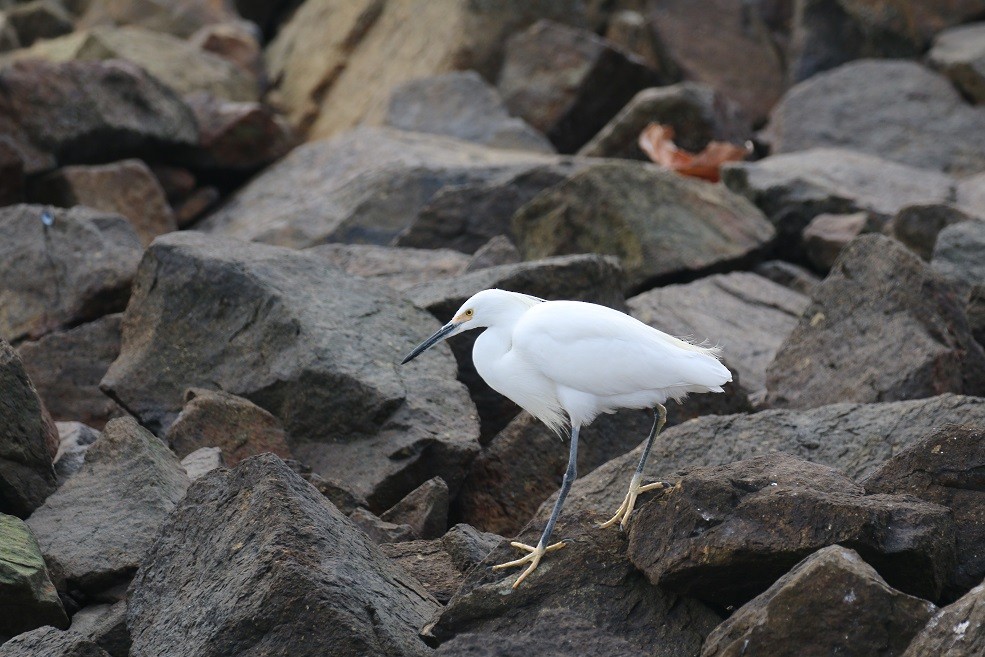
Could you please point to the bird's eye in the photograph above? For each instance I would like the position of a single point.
(469, 312)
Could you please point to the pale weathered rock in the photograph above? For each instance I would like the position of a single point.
(74, 440)
(959, 53)
(178, 17)
(831, 603)
(959, 253)
(202, 461)
(270, 546)
(60, 268)
(957, 630)
(878, 293)
(398, 267)
(828, 234)
(28, 599)
(425, 509)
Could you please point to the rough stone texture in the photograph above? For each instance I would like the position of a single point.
(831, 603)
(465, 217)
(425, 509)
(237, 136)
(828, 234)
(878, 293)
(697, 113)
(50, 642)
(429, 563)
(789, 275)
(28, 599)
(959, 53)
(918, 226)
(11, 173)
(468, 546)
(881, 108)
(725, 533)
(499, 250)
(256, 321)
(854, 438)
(277, 570)
(28, 439)
(585, 277)
(77, 269)
(202, 461)
(365, 186)
(464, 106)
(127, 188)
(957, 630)
(399, 268)
(106, 626)
(733, 47)
(658, 223)
(586, 598)
(959, 253)
(178, 17)
(747, 315)
(380, 531)
(74, 440)
(568, 82)
(793, 188)
(946, 468)
(66, 367)
(388, 43)
(237, 426)
(96, 529)
(83, 112)
(976, 313)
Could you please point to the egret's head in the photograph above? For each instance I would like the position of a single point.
(481, 310)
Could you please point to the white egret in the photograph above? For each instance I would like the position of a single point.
(565, 362)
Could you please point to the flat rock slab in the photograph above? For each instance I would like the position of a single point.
(831, 603)
(28, 598)
(364, 186)
(747, 315)
(658, 223)
(76, 269)
(957, 630)
(97, 527)
(882, 107)
(854, 438)
(28, 439)
(725, 533)
(50, 642)
(277, 570)
(946, 468)
(877, 293)
(587, 595)
(397, 267)
(317, 348)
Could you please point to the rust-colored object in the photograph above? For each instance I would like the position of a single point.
(657, 141)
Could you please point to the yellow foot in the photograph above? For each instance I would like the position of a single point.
(533, 558)
(629, 502)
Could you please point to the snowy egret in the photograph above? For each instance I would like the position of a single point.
(565, 362)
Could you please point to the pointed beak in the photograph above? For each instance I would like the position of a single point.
(438, 336)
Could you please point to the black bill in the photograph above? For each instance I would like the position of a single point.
(438, 336)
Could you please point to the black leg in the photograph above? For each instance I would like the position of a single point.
(569, 478)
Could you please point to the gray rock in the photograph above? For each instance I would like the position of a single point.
(201, 462)
(658, 223)
(747, 315)
(380, 531)
(400, 268)
(976, 313)
(957, 630)
(959, 253)
(586, 597)
(257, 321)
(787, 274)
(28, 440)
(106, 626)
(50, 642)
(697, 113)
(568, 82)
(959, 53)
(827, 235)
(971, 194)
(793, 188)
(55, 276)
(724, 534)
(11, 166)
(66, 366)
(854, 438)
(277, 570)
(28, 599)
(462, 105)
(881, 108)
(237, 137)
(918, 226)
(831, 603)
(878, 293)
(364, 186)
(428, 563)
(74, 440)
(468, 546)
(96, 529)
(499, 250)
(425, 509)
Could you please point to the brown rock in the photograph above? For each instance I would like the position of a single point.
(195, 205)
(234, 42)
(39, 19)
(240, 136)
(828, 234)
(380, 531)
(917, 226)
(240, 428)
(425, 509)
(399, 268)
(957, 630)
(499, 250)
(11, 173)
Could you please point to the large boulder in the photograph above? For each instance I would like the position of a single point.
(67, 366)
(883, 108)
(28, 599)
(725, 533)
(277, 570)
(317, 348)
(51, 642)
(658, 223)
(831, 603)
(747, 315)
(365, 186)
(59, 268)
(959, 253)
(878, 293)
(28, 439)
(97, 527)
(957, 630)
(586, 597)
